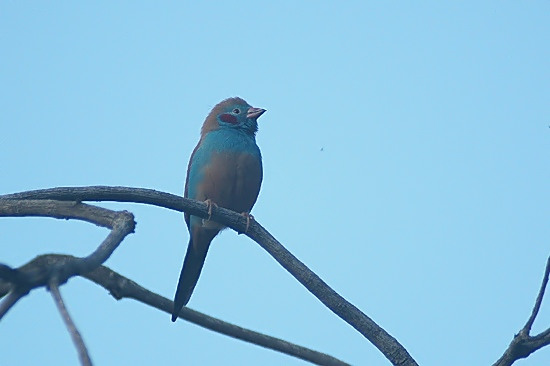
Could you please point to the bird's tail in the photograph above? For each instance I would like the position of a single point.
(192, 266)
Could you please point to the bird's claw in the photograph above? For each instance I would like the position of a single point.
(209, 204)
(248, 217)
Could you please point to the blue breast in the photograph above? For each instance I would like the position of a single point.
(223, 140)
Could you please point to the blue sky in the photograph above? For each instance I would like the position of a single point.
(406, 161)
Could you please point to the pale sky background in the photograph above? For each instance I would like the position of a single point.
(406, 161)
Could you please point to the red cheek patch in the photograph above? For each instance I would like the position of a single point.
(228, 118)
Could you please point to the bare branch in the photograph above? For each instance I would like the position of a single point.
(388, 345)
(9, 301)
(121, 287)
(121, 224)
(71, 327)
(536, 308)
(58, 210)
(48, 267)
(524, 344)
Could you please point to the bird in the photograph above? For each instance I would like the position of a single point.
(225, 170)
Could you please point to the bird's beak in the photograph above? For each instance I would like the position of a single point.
(254, 113)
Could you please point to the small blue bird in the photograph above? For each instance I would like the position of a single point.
(225, 169)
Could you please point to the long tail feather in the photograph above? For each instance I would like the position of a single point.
(190, 272)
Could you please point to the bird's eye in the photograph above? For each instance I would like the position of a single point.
(236, 111)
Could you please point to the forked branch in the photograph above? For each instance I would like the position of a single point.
(523, 343)
(121, 287)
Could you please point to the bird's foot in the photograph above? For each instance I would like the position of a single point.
(248, 217)
(209, 204)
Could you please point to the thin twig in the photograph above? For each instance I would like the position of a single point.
(71, 327)
(523, 343)
(9, 301)
(536, 308)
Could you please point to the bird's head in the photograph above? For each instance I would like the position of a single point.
(233, 113)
